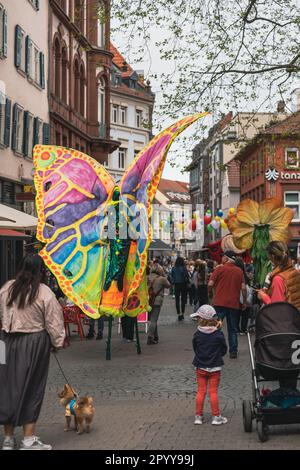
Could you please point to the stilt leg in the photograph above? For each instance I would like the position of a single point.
(138, 346)
(108, 342)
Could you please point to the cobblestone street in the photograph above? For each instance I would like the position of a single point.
(147, 401)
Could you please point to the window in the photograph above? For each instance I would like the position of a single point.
(35, 4)
(8, 192)
(123, 115)
(292, 200)
(18, 126)
(139, 118)
(65, 141)
(122, 158)
(292, 157)
(101, 101)
(20, 48)
(101, 33)
(136, 152)
(114, 113)
(79, 14)
(3, 32)
(28, 133)
(82, 91)
(57, 138)
(64, 75)
(77, 86)
(57, 68)
(2, 117)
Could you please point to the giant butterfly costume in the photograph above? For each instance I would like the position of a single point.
(74, 196)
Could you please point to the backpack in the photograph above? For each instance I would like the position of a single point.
(152, 293)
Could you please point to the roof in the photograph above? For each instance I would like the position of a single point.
(288, 127)
(175, 191)
(291, 125)
(120, 62)
(233, 172)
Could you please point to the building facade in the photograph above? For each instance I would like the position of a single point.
(131, 105)
(214, 179)
(80, 67)
(24, 111)
(270, 167)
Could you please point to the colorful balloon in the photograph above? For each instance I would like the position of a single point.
(209, 228)
(231, 210)
(223, 224)
(215, 224)
(217, 218)
(193, 225)
(207, 219)
(220, 213)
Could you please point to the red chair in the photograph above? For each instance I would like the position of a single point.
(73, 316)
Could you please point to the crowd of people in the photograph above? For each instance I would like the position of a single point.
(32, 324)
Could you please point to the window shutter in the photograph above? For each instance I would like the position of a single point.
(28, 55)
(18, 46)
(37, 4)
(4, 33)
(14, 129)
(42, 70)
(46, 134)
(36, 131)
(26, 134)
(7, 122)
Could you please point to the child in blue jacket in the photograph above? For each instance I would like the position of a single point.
(209, 346)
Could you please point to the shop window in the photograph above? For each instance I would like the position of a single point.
(292, 157)
(292, 200)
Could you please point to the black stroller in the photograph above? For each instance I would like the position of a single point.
(277, 358)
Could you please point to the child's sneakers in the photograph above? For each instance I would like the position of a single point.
(9, 443)
(217, 420)
(198, 419)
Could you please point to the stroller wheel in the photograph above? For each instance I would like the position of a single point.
(262, 431)
(247, 416)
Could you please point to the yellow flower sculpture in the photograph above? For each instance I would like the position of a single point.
(255, 225)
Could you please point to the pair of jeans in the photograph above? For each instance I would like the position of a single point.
(100, 326)
(212, 379)
(231, 315)
(180, 297)
(154, 314)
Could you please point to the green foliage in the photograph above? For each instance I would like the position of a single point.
(221, 53)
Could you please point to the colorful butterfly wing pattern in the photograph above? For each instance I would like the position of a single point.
(72, 193)
(138, 188)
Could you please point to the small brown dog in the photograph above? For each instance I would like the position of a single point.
(81, 408)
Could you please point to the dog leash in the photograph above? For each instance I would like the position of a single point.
(64, 375)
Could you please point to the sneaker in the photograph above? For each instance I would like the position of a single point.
(9, 443)
(233, 355)
(198, 419)
(35, 444)
(243, 333)
(217, 420)
(151, 341)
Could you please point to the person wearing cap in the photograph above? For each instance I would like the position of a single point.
(209, 346)
(225, 287)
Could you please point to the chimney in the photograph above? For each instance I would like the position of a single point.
(281, 106)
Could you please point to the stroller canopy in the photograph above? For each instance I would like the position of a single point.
(277, 343)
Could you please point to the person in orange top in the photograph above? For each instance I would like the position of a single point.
(285, 279)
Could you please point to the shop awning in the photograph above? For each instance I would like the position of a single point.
(158, 245)
(16, 219)
(5, 233)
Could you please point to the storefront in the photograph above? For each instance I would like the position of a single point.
(11, 253)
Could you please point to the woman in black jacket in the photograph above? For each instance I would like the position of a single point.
(209, 346)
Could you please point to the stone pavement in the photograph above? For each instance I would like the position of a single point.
(147, 401)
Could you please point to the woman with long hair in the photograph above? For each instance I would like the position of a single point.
(284, 279)
(32, 323)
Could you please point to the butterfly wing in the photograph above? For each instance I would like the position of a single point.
(138, 188)
(72, 191)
